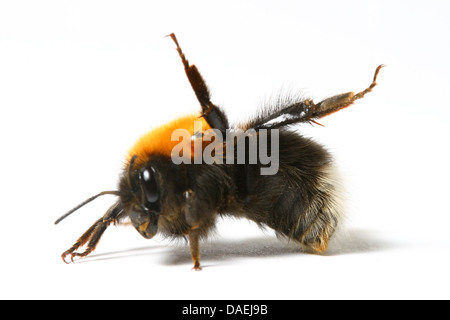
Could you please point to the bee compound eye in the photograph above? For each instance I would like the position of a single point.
(149, 184)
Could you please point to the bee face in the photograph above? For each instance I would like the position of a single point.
(144, 204)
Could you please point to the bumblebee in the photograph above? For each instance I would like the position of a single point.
(299, 200)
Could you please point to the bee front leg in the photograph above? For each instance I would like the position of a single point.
(91, 237)
(194, 245)
(93, 234)
(193, 219)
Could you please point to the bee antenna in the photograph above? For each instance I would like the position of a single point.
(115, 193)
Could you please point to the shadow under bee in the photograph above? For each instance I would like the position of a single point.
(347, 242)
(352, 241)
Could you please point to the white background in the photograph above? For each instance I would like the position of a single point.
(80, 81)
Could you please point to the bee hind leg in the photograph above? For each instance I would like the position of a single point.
(341, 101)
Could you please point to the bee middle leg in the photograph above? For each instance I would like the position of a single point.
(215, 117)
(194, 239)
(200, 217)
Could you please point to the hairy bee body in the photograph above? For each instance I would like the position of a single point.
(300, 201)
(174, 188)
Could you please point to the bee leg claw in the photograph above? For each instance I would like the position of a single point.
(72, 256)
(64, 255)
(67, 261)
(197, 266)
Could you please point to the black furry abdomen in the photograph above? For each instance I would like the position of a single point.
(300, 200)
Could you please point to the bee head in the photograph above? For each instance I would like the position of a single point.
(142, 198)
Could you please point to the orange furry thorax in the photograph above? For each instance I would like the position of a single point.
(159, 140)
